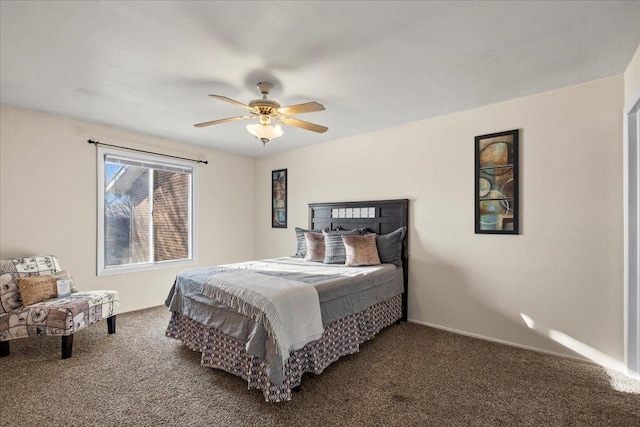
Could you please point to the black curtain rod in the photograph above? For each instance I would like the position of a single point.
(146, 152)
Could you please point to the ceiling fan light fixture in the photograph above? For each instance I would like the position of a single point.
(266, 109)
(265, 132)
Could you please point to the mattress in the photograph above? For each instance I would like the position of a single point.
(341, 290)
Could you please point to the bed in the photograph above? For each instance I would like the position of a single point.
(343, 306)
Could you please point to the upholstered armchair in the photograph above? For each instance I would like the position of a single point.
(39, 311)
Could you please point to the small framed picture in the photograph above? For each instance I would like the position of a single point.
(64, 288)
(279, 198)
(497, 192)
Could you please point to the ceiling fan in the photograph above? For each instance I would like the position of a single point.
(265, 110)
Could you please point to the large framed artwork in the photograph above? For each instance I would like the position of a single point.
(497, 192)
(279, 198)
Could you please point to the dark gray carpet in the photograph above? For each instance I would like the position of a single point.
(410, 375)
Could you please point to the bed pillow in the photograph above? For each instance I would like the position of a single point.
(315, 246)
(390, 246)
(360, 250)
(359, 230)
(37, 289)
(334, 251)
(301, 249)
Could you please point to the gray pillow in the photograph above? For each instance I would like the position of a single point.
(301, 249)
(334, 250)
(390, 246)
(359, 230)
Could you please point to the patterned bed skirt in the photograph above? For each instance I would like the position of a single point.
(340, 338)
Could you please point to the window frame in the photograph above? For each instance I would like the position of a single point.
(102, 269)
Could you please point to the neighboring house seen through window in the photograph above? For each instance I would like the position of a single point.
(145, 211)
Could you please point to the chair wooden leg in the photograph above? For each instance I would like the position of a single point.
(67, 346)
(111, 324)
(4, 348)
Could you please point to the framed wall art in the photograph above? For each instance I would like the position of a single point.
(279, 198)
(497, 191)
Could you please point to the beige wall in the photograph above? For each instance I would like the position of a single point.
(632, 78)
(564, 271)
(48, 201)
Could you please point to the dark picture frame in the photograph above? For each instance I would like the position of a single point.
(279, 198)
(497, 183)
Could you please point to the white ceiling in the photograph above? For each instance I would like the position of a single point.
(148, 66)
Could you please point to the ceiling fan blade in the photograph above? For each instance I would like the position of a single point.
(215, 122)
(233, 101)
(307, 107)
(302, 124)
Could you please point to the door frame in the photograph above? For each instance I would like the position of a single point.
(631, 155)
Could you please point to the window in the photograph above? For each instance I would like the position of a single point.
(145, 211)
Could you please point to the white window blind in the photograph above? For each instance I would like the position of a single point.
(150, 165)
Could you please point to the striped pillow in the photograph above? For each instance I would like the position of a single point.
(301, 243)
(334, 251)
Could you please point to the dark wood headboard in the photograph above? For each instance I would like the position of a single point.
(380, 217)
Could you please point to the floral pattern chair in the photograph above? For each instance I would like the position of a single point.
(58, 317)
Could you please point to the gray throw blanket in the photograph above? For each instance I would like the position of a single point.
(287, 309)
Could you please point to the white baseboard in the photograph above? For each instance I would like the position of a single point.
(509, 343)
